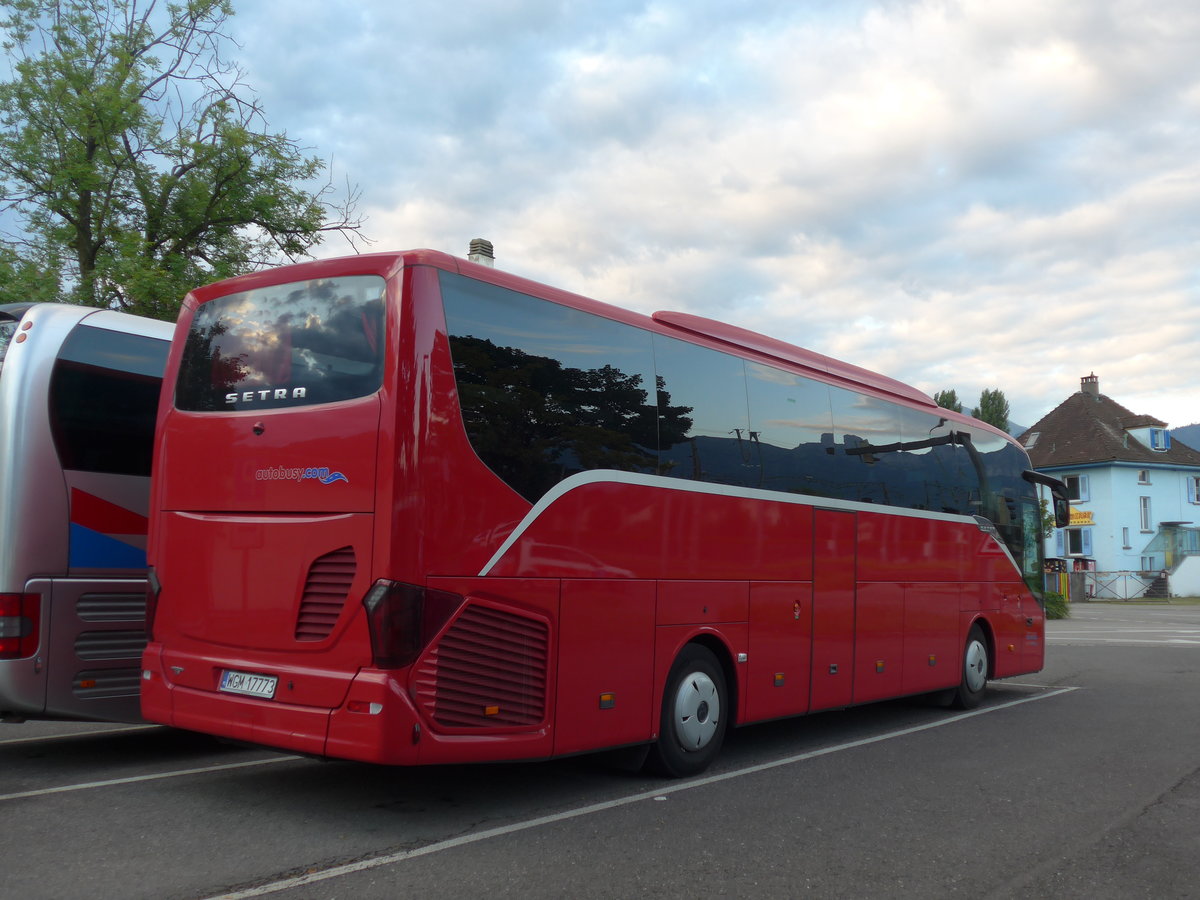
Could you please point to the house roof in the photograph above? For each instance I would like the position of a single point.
(1090, 428)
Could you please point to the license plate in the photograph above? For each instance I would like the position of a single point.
(248, 683)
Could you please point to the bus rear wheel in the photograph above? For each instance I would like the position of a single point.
(694, 710)
(971, 688)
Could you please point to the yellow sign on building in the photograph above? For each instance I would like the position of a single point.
(1081, 516)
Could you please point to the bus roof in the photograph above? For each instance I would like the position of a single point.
(823, 368)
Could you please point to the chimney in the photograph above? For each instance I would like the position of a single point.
(1090, 384)
(481, 252)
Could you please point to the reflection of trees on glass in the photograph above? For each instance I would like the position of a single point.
(535, 421)
(207, 374)
(548, 391)
(316, 341)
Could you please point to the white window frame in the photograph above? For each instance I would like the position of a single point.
(1125, 545)
(1080, 536)
(1145, 514)
(1143, 476)
(1081, 488)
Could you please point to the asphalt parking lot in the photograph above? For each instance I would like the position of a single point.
(1080, 781)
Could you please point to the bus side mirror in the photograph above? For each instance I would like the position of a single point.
(1062, 508)
(1058, 490)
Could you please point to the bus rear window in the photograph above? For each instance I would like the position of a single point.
(283, 346)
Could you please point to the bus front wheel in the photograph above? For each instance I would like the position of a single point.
(694, 710)
(971, 688)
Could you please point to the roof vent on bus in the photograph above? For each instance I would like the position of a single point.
(325, 592)
(481, 252)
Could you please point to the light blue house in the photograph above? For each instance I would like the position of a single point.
(1135, 493)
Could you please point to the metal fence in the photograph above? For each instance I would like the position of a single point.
(1077, 586)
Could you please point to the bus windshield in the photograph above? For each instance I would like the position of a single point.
(286, 345)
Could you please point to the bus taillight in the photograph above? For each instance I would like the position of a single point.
(403, 618)
(20, 616)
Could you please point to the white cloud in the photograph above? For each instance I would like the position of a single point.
(959, 194)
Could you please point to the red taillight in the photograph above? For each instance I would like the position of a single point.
(403, 618)
(153, 589)
(20, 616)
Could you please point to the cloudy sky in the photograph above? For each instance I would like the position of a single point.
(958, 193)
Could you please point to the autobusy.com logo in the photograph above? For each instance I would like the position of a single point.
(322, 474)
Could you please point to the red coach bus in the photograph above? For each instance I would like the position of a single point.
(409, 509)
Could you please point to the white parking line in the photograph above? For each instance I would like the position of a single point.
(134, 779)
(78, 734)
(661, 792)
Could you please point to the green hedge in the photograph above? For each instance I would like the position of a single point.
(1057, 606)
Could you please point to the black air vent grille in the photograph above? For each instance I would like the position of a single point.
(325, 592)
(487, 671)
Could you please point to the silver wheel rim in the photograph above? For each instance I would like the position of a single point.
(697, 711)
(976, 668)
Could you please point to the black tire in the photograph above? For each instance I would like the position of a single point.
(972, 687)
(694, 715)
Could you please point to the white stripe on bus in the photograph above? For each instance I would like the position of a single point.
(613, 476)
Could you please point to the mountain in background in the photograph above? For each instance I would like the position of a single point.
(1189, 434)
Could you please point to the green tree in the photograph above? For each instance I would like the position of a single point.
(1047, 517)
(993, 408)
(23, 280)
(138, 161)
(948, 400)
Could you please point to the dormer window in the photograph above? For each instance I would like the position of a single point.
(1160, 439)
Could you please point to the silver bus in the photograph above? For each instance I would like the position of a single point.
(78, 400)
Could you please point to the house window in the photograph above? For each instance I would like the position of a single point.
(1193, 488)
(1125, 545)
(1074, 542)
(1160, 439)
(1144, 503)
(1143, 476)
(1077, 487)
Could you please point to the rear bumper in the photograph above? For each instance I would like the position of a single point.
(377, 723)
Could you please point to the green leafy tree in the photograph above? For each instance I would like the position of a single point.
(137, 160)
(948, 400)
(23, 280)
(534, 421)
(1047, 517)
(993, 408)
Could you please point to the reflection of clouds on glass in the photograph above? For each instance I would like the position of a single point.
(562, 343)
(322, 335)
(986, 442)
(759, 372)
(796, 425)
(877, 431)
(713, 385)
